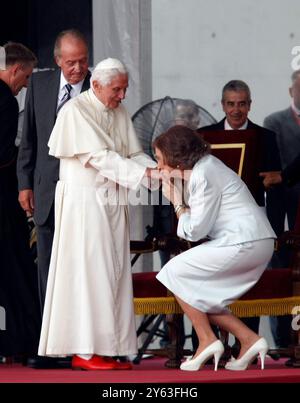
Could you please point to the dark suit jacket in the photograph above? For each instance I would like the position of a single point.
(270, 160)
(36, 169)
(8, 125)
(287, 130)
(18, 281)
(291, 173)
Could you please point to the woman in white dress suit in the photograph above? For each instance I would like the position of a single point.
(208, 277)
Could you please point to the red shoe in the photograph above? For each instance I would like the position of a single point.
(123, 365)
(94, 363)
(118, 364)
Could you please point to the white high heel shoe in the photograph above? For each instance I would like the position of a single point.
(260, 347)
(215, 349)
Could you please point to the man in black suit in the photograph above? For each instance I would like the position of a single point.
(19, 306)
(236, 103)
(37, 171)
(286, 124)
(283, 204)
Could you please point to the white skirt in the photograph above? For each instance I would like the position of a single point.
(209, 278)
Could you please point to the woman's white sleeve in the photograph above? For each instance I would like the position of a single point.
(204, 203)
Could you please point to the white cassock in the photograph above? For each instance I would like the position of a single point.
(89, 300)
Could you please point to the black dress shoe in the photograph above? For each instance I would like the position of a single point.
(40, 362)
(64, 362)
(274, 355)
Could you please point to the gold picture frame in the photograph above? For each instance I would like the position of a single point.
(224, 146)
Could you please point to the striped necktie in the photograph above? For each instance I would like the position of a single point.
(65, 98)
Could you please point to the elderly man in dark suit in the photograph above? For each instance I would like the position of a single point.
(236, 103)
(37, 171)
(286, 125)
(284, 199)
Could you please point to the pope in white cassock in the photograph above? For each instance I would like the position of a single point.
(89, 302)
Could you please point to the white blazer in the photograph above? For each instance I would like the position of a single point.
(221, 207)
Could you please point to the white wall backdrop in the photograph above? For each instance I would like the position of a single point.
(199, 45)
(122, 29)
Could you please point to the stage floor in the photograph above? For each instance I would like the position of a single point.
(152, 370)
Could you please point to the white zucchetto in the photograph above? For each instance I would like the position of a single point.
(109, 63)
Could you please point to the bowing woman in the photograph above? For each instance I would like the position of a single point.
(209, 277)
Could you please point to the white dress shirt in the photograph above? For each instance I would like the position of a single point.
(228, 127)
(76, 88)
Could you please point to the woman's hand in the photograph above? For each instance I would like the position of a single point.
(172, 188)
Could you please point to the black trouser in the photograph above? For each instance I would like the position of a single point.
(45, 234)
(282, 202)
